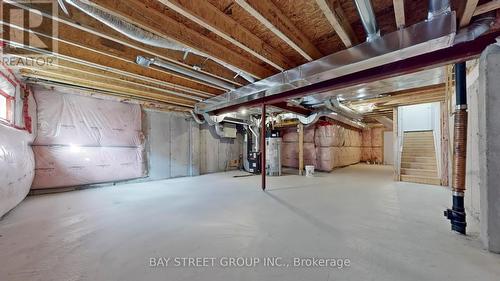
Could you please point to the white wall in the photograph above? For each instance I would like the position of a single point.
(388, 148)
(419, 117)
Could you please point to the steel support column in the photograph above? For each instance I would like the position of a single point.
(263, 146)
(457, 214)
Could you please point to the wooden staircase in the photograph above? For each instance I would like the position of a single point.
(418, 160)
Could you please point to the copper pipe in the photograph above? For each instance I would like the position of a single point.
(456, 214)
(460, 150)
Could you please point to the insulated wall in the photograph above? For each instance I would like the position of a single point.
(84, 140)
(290, 147)
(17, 164)
(326, 146)
(372, 145)
(336, 146)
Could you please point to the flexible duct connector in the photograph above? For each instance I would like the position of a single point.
(141, 35)
(314, 117)
(219, 130)
(365, 10)
(479, 26)
(196, 119)
(335, 106)
(438, 8)
(184, 71)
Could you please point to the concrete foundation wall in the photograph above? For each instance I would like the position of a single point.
(472, 202)
(176, 146)
(489, 146)
(172, 143)
(215, 152)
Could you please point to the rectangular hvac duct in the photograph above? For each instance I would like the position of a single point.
(421, 38)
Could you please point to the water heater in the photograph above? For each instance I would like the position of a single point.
(273, 153)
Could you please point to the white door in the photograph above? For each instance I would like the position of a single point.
(388, 148)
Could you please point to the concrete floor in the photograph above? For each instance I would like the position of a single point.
(387, 230)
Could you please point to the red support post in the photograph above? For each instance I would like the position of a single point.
(263, 146)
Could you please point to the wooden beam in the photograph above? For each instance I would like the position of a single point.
(399, 13)
(487, 7)
(211, 18)
(470, 7)
(335, 15)
(83, 23)
(150, 19)
(271, 17)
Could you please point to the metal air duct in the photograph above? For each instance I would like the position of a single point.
(438, 8)
(418, 39)
(184, 71)
(141, 35)
(365, 10)
(334, 105)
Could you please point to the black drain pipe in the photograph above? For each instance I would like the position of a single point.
(457, 214)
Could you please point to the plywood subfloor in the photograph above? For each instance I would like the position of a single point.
(388, 230)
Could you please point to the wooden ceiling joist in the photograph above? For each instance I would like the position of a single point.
(399, 13)
(211, 18)
(487, 7)
(112, 78)
(470, 7)
(150, 19)
(84, 23)
(89, 50)
(335, 15)
(271, 17)
(95, 83)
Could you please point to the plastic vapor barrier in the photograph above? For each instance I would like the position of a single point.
(65, 119)
(17, 166)
(60, 166)
(84, 140)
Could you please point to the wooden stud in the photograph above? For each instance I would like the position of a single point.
(399, 13)
(487, 7)
(271, 17)
(300, 128)
(397, 156)
(470, 7)
(445, 138)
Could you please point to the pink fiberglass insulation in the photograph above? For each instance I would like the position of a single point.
(377, 136)
(366, 154)
(60, 166)
(292, 135)
(330, 135)
(65, 119)
(329, 158)
(367, 138)
(290, 154)
(16, 166)
(377, 154)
